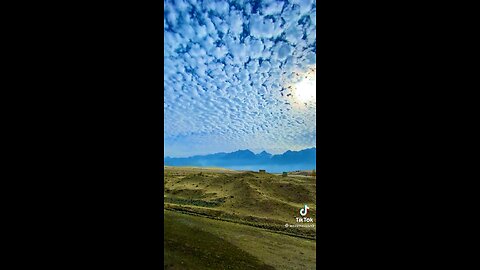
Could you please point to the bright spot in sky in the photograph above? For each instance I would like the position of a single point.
(305, 90)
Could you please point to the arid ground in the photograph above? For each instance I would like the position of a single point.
(224, 219)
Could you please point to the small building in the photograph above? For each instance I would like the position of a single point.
(261, 171)
(284, 174)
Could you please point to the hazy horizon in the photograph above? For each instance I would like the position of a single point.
(256, 152)
(247, 160)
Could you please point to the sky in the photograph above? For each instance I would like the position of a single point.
(239, 75)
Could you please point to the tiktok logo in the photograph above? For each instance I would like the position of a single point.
(304, 211)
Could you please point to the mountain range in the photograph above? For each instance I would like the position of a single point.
(247, 160)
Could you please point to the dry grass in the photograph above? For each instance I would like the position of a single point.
(264, 202)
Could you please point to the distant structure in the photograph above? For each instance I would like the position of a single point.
(284, 174)
(314, 173)
(261, 171)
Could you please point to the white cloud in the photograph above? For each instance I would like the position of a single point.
(272, 8)
(225, 91)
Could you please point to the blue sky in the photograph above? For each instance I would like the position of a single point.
(236, 74)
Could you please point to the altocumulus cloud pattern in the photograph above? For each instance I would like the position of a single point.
(230, 72)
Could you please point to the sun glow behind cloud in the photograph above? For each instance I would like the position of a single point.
(235, 76)
(305, 90)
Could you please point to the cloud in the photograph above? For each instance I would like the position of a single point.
(228, 69)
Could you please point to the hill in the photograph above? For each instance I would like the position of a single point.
(247, 210)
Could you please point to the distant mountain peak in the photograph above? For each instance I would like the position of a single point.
(243, 151)
(303, 159)
(264, 154)
(241, 154)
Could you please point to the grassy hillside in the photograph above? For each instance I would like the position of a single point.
(189, 247)
(218, 204)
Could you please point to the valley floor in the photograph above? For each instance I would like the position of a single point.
(224, 219)
(193, 242)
